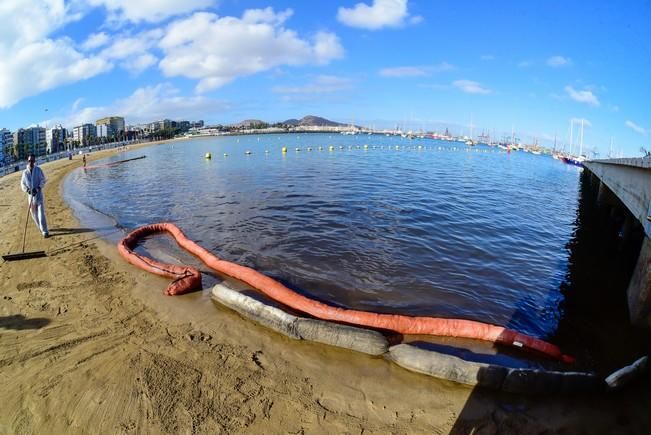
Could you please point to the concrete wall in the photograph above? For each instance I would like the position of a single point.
(639, 289)
(630, 181)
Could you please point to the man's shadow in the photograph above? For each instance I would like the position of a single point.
(20, 322)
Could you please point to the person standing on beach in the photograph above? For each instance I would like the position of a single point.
(32, 183)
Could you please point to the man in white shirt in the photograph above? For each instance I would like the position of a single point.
(32, 183)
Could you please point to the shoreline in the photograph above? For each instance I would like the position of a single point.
(89, 343)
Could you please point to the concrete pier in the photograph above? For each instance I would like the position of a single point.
(628, 182)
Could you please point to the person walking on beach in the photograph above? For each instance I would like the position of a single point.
(32, 183)
(84, 160)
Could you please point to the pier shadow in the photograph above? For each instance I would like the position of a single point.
(593, 326)
(19, 322)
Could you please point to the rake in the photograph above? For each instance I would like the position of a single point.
(25, 255)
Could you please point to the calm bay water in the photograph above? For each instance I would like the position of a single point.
(444, 230)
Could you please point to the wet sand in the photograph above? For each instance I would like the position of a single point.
(88, 344)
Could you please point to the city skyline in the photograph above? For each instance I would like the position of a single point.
(419, 65)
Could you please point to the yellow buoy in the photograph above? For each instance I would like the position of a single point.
(284, 149)
(225, 154)
(365, 147)
(208, 156)
(331, 148)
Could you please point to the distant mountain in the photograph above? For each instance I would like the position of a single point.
(307, 121)
(312, 121)
(251, 123)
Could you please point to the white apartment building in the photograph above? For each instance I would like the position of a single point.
(110, 126)
(55, 138)
(6, 146)
(29, 140)
(83, 132)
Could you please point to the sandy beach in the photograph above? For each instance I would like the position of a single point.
(88, 344)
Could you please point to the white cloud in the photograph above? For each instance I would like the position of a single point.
(382, 13)
(558, 61)
(404, 71)
(133, 50)
(149, 10)
(584, 96)
(124, 47)
(95, 40)
(636, 128)
(147, 104)
(416, 19)
(30, 62)
(470, 87)
(140, 63)
(25, 21)
(415, 71)
(435, 86)
(76, 104)
(217, 50)
(327, 47)
(40, 66)
(323, 84)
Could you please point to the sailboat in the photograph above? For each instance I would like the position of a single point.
(470, 141)
(575, 160)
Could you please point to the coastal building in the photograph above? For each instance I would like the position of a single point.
(103, 130)
(29, 140)
(164, 124)
(6, 146)
(111, 126)
(82, 134)
(55, 139)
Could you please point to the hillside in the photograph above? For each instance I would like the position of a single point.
(312, 121)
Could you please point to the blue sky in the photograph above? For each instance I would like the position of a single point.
(417, 64)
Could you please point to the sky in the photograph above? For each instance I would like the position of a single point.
(419, 65)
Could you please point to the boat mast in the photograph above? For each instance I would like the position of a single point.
(581, 142)
(571, 134)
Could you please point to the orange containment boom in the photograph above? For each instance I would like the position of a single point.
(187, 278)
